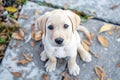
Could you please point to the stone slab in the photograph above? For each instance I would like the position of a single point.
(102, 8)
(35, 69)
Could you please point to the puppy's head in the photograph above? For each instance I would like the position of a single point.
(58, 26)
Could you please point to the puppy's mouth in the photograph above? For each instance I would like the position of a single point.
(59, 45)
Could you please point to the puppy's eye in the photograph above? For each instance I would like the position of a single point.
(66, 26)
(50, 27)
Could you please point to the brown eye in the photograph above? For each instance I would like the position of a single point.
(66, 26)
(50, 27)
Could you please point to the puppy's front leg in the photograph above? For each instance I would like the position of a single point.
(43, 55)
(51, 64)
(72, 65)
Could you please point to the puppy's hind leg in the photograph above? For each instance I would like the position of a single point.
(85, 56)
(43, 56)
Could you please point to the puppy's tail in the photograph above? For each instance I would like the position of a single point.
(85, 31)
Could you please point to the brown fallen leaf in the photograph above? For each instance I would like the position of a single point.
(92, 35)
(32, 27)
(87, 42)
(85, 46)
(65, 76)
(110, 32)
(100, 72)
(14, 22)
(38, 35)
(116, 29)
(32, 43)
(114, 6)
(109, 79)
(118, 65)
(27, 57)
(37, 11)
(94, 54)
(23, 16)
(22, 61)
(96, 78)
(2, 47)
(103, 40)
(16, 35)
(22, 33)
(105, 27)
(16, 74)
(33, 35)
(45, 77)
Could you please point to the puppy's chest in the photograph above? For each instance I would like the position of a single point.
(60, 53)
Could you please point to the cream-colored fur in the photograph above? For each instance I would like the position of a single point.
(71, 44)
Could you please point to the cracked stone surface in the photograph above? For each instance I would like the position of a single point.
(102, 8)
(35, 69)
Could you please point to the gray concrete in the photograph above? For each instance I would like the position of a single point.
(102, 8)
(34, 70)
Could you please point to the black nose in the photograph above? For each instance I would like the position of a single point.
(59, 40)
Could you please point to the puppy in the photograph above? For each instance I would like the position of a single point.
(61, 39)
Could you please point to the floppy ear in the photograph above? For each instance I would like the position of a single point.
(74, 18)
(41, 22)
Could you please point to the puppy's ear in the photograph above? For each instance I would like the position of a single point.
(74, 18)
(41, 22)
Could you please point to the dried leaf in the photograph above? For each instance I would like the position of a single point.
(38, 35)
(105, 27)
(32, 34)
(87, 42)
(109, 79)
(116, 29)
(32, 43)
(16, 74)
(118, 65)
(45, 77)
(14, 22)
(2, 47)
(22, 61)
(85, 46)
(94, 54)
(21, 32)
(110, 32)
(103, 41)
(37, 12)
(23, 16)
(65, 76)
(11, 9)
(114, 7)
(100, 72)
(92, 35)
(96, 79)
(32, 27)
(27, 57)
(16, 35)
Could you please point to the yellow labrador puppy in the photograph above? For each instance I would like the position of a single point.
(61, 39)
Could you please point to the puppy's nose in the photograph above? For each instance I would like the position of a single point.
(59, 40)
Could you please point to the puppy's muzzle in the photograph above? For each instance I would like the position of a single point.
(59, 40)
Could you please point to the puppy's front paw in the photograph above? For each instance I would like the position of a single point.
(86, 57)
(43, 56)
(74, 69)
(50, 66)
